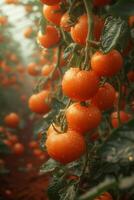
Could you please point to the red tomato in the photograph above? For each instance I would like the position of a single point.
(18, 149)
(50, 38)
(50, 2)
(12, 120)
(83, 118)
(105, 97)
(107, 64)
(38, 104)
(80, 30)
(124, 117)
(65, 147)
(33, 144)
(53, 13)
(79, 84)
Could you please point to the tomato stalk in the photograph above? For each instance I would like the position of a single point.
(88, 50)
(119, 100)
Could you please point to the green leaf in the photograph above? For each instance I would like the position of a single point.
(68, 193)
(49, 166)
(122, 8)
(120, 146)
(115, 30)
(53, 190)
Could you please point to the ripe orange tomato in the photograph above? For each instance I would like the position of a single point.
(18, 149)
(64, 23)
(12, 120)
(130, 76)
(13, 139)
(79, 84)
(79, 36)
(65, 147)
(100, 3)
(53, 13)
(38, 104)
(46, 70)
(50, 2)
(50, 38)
(83, 118)
(107, 64)
(124, 117)
(33, 69)
(105, 97)
(79, 31)
(104, 196)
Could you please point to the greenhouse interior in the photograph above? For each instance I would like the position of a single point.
(66, 100)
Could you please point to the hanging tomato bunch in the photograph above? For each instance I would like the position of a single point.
(85, 91)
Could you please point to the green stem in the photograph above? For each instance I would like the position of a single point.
(119, 101)
(88, 50)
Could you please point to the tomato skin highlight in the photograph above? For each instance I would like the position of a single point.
(107, 65)
(65, 147)
(83, 118)
(124, 117)
(79, 84)
(53, 14)
(50, 38)
(37, 102)
(105, 97)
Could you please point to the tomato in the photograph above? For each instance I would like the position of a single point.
(79, 31)
(107, 64)
(104, 196)
(18, 149)
(105, 97)
(37, 152)
(99, 3)
(13, 138)
(50, 38)
(12, 120)
(28, 32)
(33, 144)
(130, 76)
(124, 117)
(53, 13)
(79, 84)
(64, 23)
(38, 104)
(131, 21)
(79, 36)
(65, 147)
(83, 118)
(50, 2)
(33, 69)
(46, 70)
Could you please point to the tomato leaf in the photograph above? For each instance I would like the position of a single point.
(68, 193)
(55, 186)
(115, 30)
(49, 166)
(120, 146)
